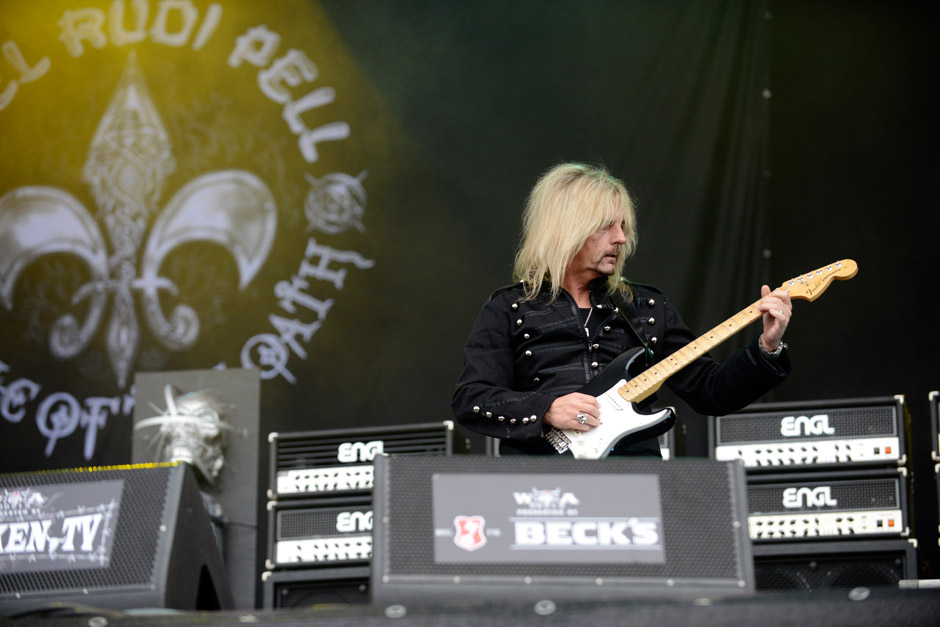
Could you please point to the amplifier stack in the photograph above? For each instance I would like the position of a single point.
(320, 508)
(828, 490)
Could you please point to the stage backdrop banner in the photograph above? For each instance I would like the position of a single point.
(327, 191)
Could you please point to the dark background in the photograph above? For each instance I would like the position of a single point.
(853, 153)
(843, 174)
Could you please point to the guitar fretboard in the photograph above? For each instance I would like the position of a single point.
(650, 380)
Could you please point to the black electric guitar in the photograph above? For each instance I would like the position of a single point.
(617, 395)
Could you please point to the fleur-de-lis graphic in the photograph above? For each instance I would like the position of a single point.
(129, 159)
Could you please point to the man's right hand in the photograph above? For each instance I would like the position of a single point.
(565, 411)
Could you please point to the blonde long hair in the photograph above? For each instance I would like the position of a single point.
(569, 203)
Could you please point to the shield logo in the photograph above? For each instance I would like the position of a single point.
(469, 532)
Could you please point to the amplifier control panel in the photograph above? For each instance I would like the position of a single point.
(811, 452)
(320, 550)
(309, 481)
(827, 524)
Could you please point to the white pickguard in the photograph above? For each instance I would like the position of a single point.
(618, 419)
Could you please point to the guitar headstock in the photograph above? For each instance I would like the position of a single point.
(811, 285)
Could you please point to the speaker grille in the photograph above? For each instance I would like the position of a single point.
(315, 522)
(307, 593)
(844, 571)
(143, 501)
(305, 588)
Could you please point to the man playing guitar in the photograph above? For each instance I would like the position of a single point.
(539, 364)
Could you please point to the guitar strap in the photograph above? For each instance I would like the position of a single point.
(629, 313)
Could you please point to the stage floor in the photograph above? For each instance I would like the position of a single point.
(857, 607)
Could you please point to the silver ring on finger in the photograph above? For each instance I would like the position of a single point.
(582, 418)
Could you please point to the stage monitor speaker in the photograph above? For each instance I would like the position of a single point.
(306, 588)
(844, 564)
(117, 537)
(475, 527)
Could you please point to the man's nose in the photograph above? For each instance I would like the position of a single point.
(619, 237)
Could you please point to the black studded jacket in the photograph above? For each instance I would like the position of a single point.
(522, 355)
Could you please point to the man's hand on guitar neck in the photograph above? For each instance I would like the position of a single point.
(777, 310)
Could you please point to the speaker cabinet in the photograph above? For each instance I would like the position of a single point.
(119, 537)
(548, 528)
(305, 588)
(834, 565)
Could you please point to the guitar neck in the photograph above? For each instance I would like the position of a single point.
(650, 380)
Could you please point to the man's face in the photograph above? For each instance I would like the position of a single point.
(598, 255)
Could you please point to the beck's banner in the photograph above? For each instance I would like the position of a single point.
(543, 518)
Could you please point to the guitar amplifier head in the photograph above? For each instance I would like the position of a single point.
(828, 505)
(316, 533)
(338, 462)
(859, 433)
